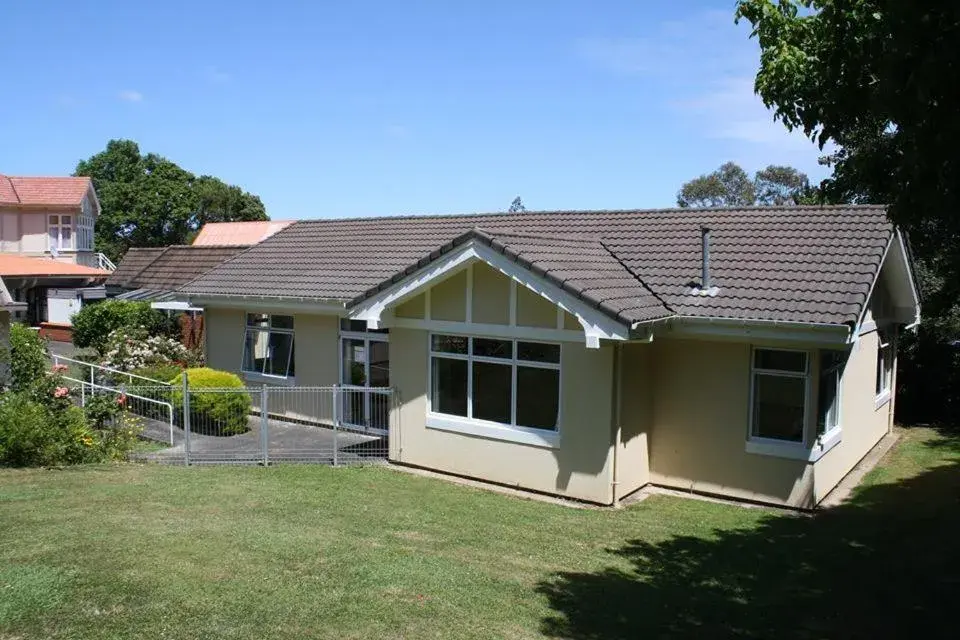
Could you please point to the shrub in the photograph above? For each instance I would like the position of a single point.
(28, 357)
(160, 372)
(129, 348)
(215, 413)
(94, 323)
(34, 434)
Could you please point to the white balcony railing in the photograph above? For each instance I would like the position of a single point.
(103, 262)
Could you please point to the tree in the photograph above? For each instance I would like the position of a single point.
(730, 186)
(149, 201)
(878, 79)
(516, 206)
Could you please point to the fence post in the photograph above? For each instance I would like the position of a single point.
(186, 419)
(264, 425)
(336, 422)
(92, 383)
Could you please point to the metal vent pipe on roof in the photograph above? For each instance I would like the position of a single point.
(705, 241)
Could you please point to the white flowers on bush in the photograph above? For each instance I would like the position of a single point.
(130, 349)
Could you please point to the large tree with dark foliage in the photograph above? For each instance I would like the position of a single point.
(879, 78)
(149, 201)
(730, 186)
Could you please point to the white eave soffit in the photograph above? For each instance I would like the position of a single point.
(596, 325)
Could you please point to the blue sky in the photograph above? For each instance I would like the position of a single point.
(380, 107)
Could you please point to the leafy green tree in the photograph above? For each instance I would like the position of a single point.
(149, 201)
(879, 78)
(516, 206)
(730, 186)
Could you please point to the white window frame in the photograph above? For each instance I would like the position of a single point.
(814, 446)
(549, 438)
(247, 328)
(884, 374)
(827, 428)
(60, 226)
(84, 231)
(367, 337)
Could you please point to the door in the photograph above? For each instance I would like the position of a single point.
(365, 363)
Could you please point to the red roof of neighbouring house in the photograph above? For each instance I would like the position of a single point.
(23, 266)
(59, 191)
(236, 234)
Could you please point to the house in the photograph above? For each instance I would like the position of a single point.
(47, 256)
(227, 234)
(748, 353)
(153, 274)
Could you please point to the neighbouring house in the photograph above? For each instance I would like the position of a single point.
(225, 234)
(154, 274)
(47, 255)
(748, 353)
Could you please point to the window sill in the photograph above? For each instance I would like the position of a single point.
(795, 450)
(881, 400)
(493, 431)
(251, 376)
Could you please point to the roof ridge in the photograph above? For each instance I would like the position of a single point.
(539, 236)
(469, 214)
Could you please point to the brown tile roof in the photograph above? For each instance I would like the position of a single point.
(133, 262)
(797, 264)
(224, 234)
(167, 268)
(12, 265)
(61, 191)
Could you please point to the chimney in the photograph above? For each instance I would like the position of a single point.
(705, 276)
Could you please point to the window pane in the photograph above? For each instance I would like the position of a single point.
(493, 348)
(827, 399)
(449, 386)
(346, 324)
(379, 363)
(492, 391)
(538, 352)
(450, 344)
(795, 361)
(354, 362)
(282, 322)
(65, 220)
(255, 350)
(281, 353)
(66, 237)
(778, 407)
(257, 320)
(54, 237)
(538, 397)
(54, 219)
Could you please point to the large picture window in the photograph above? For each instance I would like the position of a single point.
(779, 393)
(268, 345)
(508, 382)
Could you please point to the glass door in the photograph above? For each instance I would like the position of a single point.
(365, 363)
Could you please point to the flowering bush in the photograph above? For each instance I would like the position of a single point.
(130, 349)
(95, 322)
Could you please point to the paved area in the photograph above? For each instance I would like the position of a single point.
(286, 442)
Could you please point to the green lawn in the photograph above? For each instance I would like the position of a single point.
(143, 551)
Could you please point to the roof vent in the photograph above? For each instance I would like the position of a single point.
(705, 287)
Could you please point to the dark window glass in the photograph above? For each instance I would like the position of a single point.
(450, 344)
(450, 386)
(281, 322)
(778, 407)
(794, 361)
(538, 397)
(258, 320)
(492, 348)
(492, 395)
(831, 363)
(280, 357)
(538, 352)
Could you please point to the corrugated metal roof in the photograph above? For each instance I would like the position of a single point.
(797, 264)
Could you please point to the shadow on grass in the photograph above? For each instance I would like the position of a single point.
(886, 564)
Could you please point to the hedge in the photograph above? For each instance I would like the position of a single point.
(94, 322)
(221, 413)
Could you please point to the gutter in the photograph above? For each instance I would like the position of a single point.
(743, 322)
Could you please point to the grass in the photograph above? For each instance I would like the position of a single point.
(144, 551)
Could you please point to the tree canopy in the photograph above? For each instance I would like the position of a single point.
(516, 206)
(730, 186)
(149, 201)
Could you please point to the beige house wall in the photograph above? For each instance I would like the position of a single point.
(863, 423)
(636, 417)
(701, 392)
(223, 335)
(491, 295)
(579, 467)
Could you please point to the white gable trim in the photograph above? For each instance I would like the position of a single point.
(596, 325)
(896, 255)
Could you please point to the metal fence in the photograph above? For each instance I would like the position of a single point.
(339, 424)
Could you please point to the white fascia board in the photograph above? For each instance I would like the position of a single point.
(596, 325)
(898, 258)
(266, 303)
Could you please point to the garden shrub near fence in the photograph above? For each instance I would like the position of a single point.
(94, 323)
(220, 412)
(28, 357)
